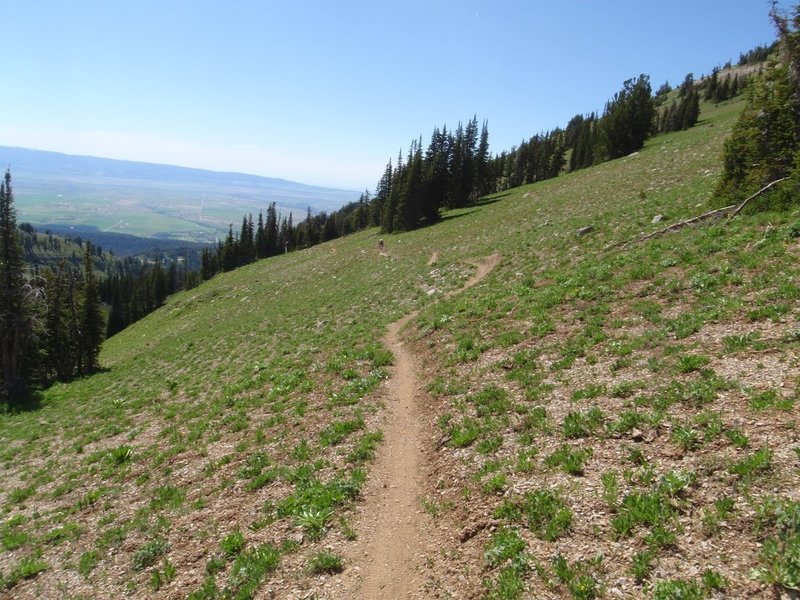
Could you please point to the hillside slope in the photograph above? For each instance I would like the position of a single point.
(599, 420)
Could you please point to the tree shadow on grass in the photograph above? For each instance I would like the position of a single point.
(476, 206)
(30, 400)
(20, 404)
(490, 200)
(466, 210)
(458, 216)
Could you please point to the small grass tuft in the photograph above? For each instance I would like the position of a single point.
(325, 562)
(233, 543)
(545, 513)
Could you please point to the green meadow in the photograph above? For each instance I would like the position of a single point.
(122, 216)
(623, 416)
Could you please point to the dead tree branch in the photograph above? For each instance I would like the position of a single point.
(731, 211)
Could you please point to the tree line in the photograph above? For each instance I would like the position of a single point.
(456, 168)
(130, 288)
(51, 325)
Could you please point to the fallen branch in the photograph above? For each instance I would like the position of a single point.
(731, 210)
(758, 193)
(680, 224)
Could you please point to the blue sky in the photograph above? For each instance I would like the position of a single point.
(325, 92)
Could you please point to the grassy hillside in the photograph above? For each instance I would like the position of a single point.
(611, 419)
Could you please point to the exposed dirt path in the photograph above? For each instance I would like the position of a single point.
(484, 268)
(393, 523)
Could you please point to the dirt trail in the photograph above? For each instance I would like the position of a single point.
(393, 523)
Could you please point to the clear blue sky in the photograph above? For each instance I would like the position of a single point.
(325, 92)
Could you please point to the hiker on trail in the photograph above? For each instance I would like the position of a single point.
(380, 245)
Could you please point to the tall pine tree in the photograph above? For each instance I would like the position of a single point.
(92, 323)
(765, 144)
(13, 310)
(628, 118)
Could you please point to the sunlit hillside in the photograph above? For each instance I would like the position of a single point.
(605, 419)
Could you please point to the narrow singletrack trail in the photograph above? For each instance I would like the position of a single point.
(393, 525)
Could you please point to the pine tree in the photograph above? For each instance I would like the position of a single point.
(208, 264)
(59, 345)
(389, 209)
(244, 250)
(271, 231)
(457, 161)
(261, 237)
(382, 191)
(311, 233)
(13, 313)
(158, 283)
(229, 255)
(711, 85)
(584, 135)
(117, 315)
(436, 175)
(628, 119)
(92, 324)
(410, 199)
(691, 111)
(482, 162)
(463, 171)
(765, 142)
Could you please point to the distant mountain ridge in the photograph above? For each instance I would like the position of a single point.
(148, 199)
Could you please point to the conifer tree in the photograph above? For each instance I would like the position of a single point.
(389, 209)
(410, 199)
(260, 241)
(208, 264)
(13, 313)
(381, 195)
(287, 238)
(482, 174)
(436, 174)
(271, 231)
(711, 85)
(229, 256)
(628, 118)
(244, 249)
(311, 233)
(765, 142)
(92, 324)
(118, 317)
(584, 134)
(159, 284)
(59, 345)
(462, 189)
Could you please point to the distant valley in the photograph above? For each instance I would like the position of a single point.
(82, 194)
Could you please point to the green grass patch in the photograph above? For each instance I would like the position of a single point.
(325, 562)
(250, 569)
(544, 512)
(336, 433)
(753, 465)
(148, 553)
(770, 399)
(581, 424)
(505, 544)
(571, 460)
(27, 567)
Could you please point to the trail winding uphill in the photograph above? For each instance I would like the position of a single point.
(393, 526)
